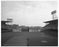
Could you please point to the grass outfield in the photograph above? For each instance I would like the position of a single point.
(34, 38)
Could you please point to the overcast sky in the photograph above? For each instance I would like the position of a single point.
(29, 13)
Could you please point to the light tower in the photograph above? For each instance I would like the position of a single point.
(54, 16)
(10, 21)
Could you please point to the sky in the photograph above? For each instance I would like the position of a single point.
(28, 13)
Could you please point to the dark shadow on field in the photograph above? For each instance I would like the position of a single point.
(7, 36)
(33, 38)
